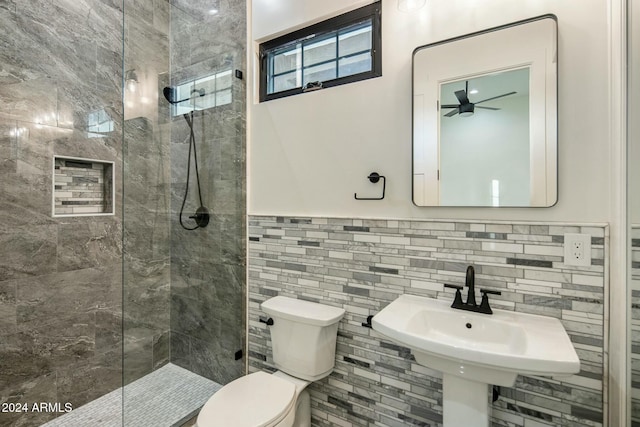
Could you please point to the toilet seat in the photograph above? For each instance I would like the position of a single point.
(255, 400)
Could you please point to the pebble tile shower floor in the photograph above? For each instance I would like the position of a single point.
(167, 397)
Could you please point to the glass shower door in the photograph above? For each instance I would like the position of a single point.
(184, 148)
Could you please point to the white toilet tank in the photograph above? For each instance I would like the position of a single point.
(303, 336)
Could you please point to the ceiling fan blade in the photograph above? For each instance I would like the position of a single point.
(449, 106)
(451, 113)
(496, 97)
(462, 96)
(487, 108)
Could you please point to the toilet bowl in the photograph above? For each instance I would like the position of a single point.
(259, 400)
(303, 337)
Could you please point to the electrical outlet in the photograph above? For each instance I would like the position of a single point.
(577, 249)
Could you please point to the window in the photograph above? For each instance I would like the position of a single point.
(204, 93)
(99, 123)
(340, 50)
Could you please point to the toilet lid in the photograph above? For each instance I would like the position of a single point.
(255, 400)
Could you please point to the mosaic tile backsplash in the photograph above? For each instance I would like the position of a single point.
(635, 325)
(363, 265)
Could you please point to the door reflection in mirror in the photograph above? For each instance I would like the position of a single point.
(484, 140)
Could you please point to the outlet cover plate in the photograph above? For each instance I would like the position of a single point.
(577, 249)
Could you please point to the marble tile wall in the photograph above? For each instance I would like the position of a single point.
(362, 265)
(147, 186)
(147, 252)
(60, 278)
(208, 265)
(63, 302)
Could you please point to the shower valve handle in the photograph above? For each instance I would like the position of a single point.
(201, 216)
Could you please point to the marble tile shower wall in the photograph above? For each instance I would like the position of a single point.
(61, 294)
(146, 262)
(208, 265)
(60, 278)
(362, 265)
(147, 191)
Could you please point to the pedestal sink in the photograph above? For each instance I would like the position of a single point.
(473, 350)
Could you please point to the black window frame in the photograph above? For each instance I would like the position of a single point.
(319, 30)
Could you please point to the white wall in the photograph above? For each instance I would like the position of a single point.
(309, 153)
(634, 111)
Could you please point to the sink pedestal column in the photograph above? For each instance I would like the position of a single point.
(464, 402)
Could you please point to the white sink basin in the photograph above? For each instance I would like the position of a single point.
(490, 349)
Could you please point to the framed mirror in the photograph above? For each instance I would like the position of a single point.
(485, 118)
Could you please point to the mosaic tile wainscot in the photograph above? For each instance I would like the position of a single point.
(363, 265)
(635, 325)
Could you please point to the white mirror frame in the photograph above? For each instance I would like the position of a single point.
(531, 43)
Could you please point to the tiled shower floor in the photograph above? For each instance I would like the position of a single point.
(167, 397)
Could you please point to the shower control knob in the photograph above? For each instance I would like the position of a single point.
(201, 217)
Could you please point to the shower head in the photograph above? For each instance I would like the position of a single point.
(170, 93)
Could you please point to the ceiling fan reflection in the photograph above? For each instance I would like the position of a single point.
(466, 107)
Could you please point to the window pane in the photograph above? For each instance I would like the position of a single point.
(355, 64)
(204, 102)
(355, 41)
(223, 80)
(285, 82)
(206, 86)
(320, 51)
(183, 108)
(204, 93)
(223, 97)
(184, 91)
(287, 60)
(320, 72)
(343, 46)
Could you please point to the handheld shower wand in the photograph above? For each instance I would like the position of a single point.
(202, 215)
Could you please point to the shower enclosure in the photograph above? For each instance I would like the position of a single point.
(105, 299)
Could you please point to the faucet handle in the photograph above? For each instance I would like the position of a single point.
(484, 304)
(457, 300)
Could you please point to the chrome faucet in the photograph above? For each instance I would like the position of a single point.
(471, 304)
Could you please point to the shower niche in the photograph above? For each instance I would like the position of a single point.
(82, 187)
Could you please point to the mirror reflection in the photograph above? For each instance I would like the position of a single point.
(484, 118)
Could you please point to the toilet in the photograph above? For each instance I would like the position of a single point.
(303, 338)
